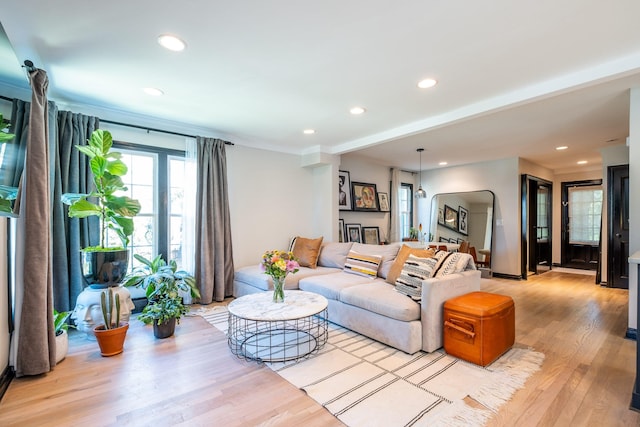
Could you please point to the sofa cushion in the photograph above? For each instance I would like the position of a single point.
(306, 251)
(415, 270)
(362, 264)
(387, 252)
(403, 254)
(330, 286)
(334, 254)
(381, 298)
(254, 276)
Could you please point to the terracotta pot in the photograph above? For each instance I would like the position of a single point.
(165, 329)
(111, 341)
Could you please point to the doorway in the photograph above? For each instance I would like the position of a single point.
(536, 225)
(581, 223)
(618, 214)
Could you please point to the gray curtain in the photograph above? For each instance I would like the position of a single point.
(69, 235)
(213, 253)
(35, 353)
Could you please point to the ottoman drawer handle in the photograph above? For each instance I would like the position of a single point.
(458, 328)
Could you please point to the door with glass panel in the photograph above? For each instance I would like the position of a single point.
(582, 220)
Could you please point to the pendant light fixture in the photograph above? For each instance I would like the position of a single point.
(420, 194)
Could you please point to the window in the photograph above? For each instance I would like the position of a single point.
(543, 214)
(585, 211)
(156, 178)
(405, 210)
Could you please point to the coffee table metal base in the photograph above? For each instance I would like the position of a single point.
(277, 341)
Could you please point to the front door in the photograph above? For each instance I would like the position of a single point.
(536, 225)
(618, 242)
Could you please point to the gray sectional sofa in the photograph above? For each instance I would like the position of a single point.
(371, 307)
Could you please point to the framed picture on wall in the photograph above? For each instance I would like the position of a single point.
(353, 233)
(371, 235)
(341, 231)
(383, 201)
(450, 217)
(365, 197)
(440, 216)
(344, 191)
(463, 220)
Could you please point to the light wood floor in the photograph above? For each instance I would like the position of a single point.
(193, 380)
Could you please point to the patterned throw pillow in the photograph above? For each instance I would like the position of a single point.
(415, 270)
(452, 262)
(402, 256)
(363, 265)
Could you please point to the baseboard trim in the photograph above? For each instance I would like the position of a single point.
(5, 379)
(506, 276)
(632, 334)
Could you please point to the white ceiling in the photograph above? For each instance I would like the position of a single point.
(515, 78)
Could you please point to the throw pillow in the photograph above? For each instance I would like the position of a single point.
(403, 254)
(363, 265)
(453, 262)
(306, 251)
(334, 254)
(387, 252)
(414, 271)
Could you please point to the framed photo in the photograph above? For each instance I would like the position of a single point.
(341, 231)
(450, 217)
(353, 233)
(463, 220)
(365, 197)
(443, 240)
(344, 191)
(440, 216)
(371, 235)
(383, 202)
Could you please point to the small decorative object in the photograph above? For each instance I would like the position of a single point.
(383, 200)
(344, 191)
(371, 235)
(163, 284)
(353, 233)
(463, 220)
(278, 264)
(112, 333)
(365, 197)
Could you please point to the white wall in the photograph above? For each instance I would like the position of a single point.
(634, 202)
(499, 176)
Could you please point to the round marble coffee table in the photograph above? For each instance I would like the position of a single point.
(262, 330)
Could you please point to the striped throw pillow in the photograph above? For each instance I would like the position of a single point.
(415, 270)
(363, 265)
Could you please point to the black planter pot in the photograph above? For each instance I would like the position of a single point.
(165, 329)
(104, 269)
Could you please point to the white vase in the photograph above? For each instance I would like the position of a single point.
(62, 346)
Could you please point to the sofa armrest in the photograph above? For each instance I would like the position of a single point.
(435, 292)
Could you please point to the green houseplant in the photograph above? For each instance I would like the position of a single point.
(111, 334)
(105, 266)
(162, 283)
(62, 338)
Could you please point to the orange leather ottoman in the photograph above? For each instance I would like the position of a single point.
(479, 327)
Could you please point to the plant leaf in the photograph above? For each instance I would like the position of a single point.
(83, 208)
(101, 140)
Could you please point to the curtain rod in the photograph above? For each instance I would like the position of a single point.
(148, 129)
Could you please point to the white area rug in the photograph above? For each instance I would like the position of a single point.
(366, 383)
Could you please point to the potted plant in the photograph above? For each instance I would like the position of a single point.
(62, 338)
(163, 284)
(111, 334)
(413, 235)
(105, 266)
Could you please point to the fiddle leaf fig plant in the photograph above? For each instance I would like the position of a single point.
(115, 211)
(7, 193)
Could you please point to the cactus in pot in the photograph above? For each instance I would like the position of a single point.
(106, 304)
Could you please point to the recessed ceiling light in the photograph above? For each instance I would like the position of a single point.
(427, 83)
(171, 42)
(357, 110)
(153, 91)
(562, 147)
(582, 162)
(443, 163)
(308, 131)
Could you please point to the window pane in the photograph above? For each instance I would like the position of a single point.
(585, 210)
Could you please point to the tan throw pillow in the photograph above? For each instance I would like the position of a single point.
(401, 258)
(307, 251)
